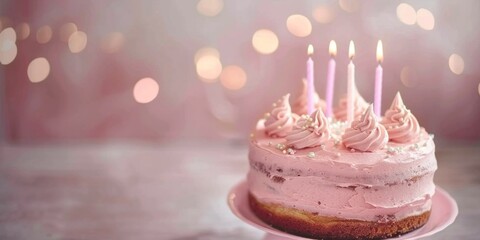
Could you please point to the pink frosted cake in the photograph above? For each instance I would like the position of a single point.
(327, 179)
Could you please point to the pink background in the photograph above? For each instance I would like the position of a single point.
(88, 95)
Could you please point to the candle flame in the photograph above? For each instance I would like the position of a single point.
(351, 50)
(379, 51)
(332, 48)
(310, 50)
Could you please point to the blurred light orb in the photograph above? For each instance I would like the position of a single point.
(349, 5)
(6, 57)
(8, 34)
(66, 30)
(265, 41)
(145, 90)
(425, 19)
(210, 8)
(408, 77)
(299, 25)
(8, 48)
(479, 89)
(206, 51)
(77, 42)
(113, 42)
(209, 68)
(233, 77)
(456, 64)
(44, 34)
(406, 14)
(23, 31)
(323, 14)
(38, 70)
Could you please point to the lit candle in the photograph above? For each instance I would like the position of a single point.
(332, 48)
(310, 85)
(351, 83)
(378, 80)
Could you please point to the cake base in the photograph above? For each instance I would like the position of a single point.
(311, 225)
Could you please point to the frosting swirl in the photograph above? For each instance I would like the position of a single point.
(300, 106)
(366, 134)
(400, 123)
(280, 120)
(309, 131)
(359, 107)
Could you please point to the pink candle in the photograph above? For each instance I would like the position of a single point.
(310, 85)
(350, 83)
(330, 78)
(378, 81)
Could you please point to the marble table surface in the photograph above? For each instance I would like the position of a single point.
(164, 191)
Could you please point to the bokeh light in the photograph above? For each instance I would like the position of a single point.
(408, 77)
(66, 30)
(406, 14)
(209, 68)
(38, 69)
(425, 19)
(456, 63)
(206, 51)
(349, 5)
(299, 25)
(44, 34)
(210, 8)
(113, 42)
(233, 77)
(478, 88)
(23, 31)
(77, 42)
(265, 41)
(323, 14)
(145, 90)
(8, 48)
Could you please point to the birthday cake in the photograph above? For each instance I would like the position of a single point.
(328, 178)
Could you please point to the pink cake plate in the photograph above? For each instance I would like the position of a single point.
(444, 212)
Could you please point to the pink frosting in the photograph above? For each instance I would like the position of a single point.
(309, 131)
(359, 106)
(366, 134)
(300, 105)
(389, 184)
(280, 120)
(400, 123)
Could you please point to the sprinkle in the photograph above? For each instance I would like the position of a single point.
(414, 146)
(274, 105)
(322, 147)
(337, 142)
(252, 135)
(311, 154)
(284, 151)
(280, 146)
(290, 151)
(432, 136)
(338, 154)
(267, 115)
(279, 127)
